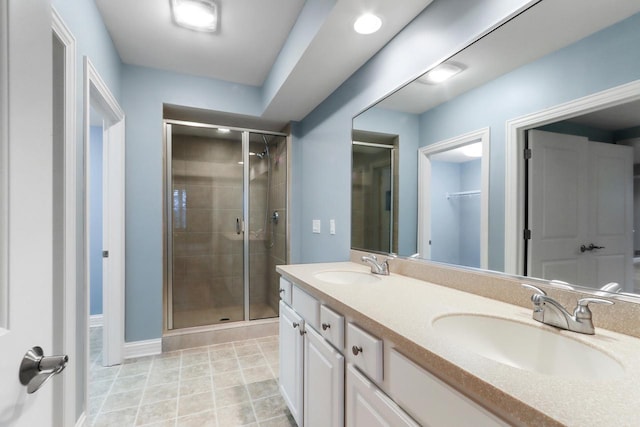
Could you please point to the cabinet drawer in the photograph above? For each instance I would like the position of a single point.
(365, 351)
(409, 385)
(332, 327)
(307, 306)
(285, 290)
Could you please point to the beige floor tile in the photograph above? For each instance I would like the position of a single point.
(285, 421)
(128, 383)
(231, 396)
(222, 353)
(269, 346)
(227, 379)
(196, 385)
(247, 349)
(203, 419)
(269, 407)
(257, 374)
(99, 388)
(262, 389)
(236, 415)
(195, 403)
(195, 358)
(225, 365)
(252, 360)
(157, 412)
(121, 418)
(117, 401)
(159, 393)
(163, 377)
(195, 371)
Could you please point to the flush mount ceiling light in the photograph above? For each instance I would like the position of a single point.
(440, 73)
(367, 24)
(472, 150)
(199, 15)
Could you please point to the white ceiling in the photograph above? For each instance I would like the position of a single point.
(544, 28)
(251, 35)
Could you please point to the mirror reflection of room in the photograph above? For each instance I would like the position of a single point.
(497, 84)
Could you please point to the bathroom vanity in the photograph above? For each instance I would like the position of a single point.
(362, 349)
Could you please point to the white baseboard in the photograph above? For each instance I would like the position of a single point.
(96, 320)
(81, 420)
(142, 348)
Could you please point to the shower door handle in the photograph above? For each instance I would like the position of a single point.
(239, 226)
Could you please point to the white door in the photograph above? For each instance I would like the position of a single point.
(580, 210)
(323, 382)
(291, 360)
(26, 274)
(368, 406)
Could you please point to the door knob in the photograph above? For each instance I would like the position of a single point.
(584, 248)
(36, 368)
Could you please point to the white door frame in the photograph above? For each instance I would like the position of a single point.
(98, 96)
(67, 400)
(514, 170)
(424, 189)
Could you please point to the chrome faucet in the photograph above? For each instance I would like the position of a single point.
(551, 312)
(377, 267)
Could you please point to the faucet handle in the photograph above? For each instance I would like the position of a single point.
(584, 302)
(536, 289)
(582, 310)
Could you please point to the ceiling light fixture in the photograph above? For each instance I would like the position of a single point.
(472, 150)
(440, 73)
(367, 24)
(199, 15)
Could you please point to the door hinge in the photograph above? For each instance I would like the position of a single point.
(527, 234)
(105, 254)
(527, 153)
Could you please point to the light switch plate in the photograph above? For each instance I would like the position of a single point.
(316, 226)
(332, 226)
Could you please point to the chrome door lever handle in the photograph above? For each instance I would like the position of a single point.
(36, 368)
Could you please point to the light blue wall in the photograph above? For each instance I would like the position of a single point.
(95, 222)
(404, 125)
(322, 147)
(606, 59)
(445, 237)
(470, 180)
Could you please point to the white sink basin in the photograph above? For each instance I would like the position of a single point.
(346, 277)
(527, 347)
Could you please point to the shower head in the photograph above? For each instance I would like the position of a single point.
(262, 155)
(265, 153)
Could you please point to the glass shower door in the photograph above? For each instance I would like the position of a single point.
(206, 275)
(267, 213)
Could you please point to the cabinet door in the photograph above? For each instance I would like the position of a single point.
(291, 360)
(323, 382)
(368, 406)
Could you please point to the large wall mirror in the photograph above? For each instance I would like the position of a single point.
(521, 153)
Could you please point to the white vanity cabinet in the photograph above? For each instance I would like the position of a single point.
(291, 360)
(368, 406)
(311, 369)
(323, 382)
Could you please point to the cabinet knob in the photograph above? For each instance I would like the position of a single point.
(325, 326)
(295, 324)
(302, 332)
(355, 350)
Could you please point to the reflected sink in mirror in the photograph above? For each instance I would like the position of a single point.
(346, 277)
(527, 347)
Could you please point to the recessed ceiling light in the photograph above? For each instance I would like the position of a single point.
(224, 130)
(200, 15)
(440, 73)
(367, 24)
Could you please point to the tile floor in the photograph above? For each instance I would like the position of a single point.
(222, 385)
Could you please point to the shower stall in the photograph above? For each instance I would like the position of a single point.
(226, 208)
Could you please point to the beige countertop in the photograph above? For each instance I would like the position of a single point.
(402, 310)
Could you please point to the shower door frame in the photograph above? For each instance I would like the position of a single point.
(167, 214)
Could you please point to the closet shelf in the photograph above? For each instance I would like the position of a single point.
(462, 194)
